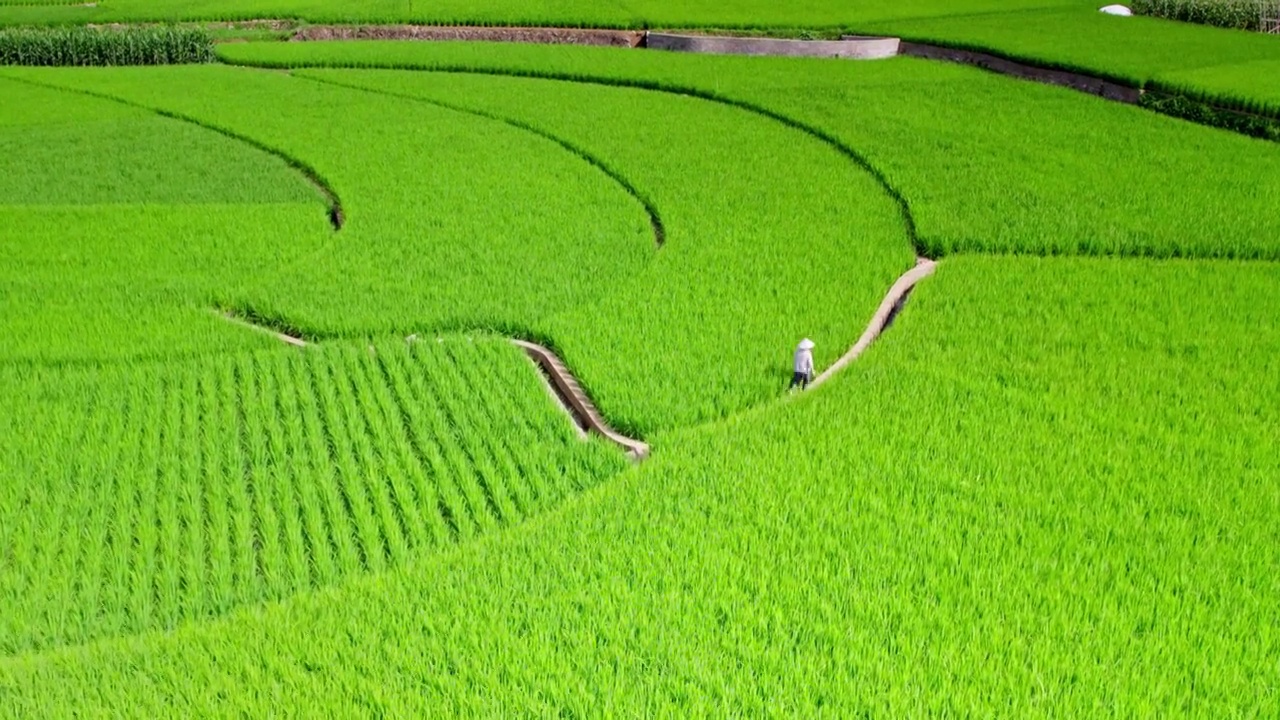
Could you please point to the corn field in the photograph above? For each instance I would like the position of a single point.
(153, 45)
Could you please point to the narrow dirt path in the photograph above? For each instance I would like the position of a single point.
(564, 387)
(889, 307)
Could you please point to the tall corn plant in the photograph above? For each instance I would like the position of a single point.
(152, 45)
(1237, 14)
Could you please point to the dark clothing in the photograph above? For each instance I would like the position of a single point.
(801, 379)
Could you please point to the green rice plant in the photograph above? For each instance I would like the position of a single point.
(204, 485)
(786, 216)
(1130, 50)
(1050, 486)
(1046, 174)
(1232, 86)
(148, 45)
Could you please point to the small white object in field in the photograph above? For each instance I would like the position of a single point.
(806, 344)
(1119, 10)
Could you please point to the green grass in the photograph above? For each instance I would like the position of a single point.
(1048, 492)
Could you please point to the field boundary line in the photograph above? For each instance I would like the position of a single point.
(889, 308)
(655, 218)
(850, 153)
(235, 319)
(336, 215)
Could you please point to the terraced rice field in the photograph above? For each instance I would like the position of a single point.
(1048, 489)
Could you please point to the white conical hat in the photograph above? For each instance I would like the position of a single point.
(806, 344)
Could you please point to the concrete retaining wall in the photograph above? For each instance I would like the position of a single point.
(854, 48)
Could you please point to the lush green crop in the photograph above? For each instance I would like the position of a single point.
(150, 45)
(1049, 491)
(1133, 50)
(986, 163)
(159, 493)
(1235, 86)
(770, 233)
(651, 13)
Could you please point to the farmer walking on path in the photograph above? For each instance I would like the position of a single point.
(803, 365)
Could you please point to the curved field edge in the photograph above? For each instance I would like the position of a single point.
(601, 164)
(306, 171)
(891, 576)
(922, 146)
(261, 57)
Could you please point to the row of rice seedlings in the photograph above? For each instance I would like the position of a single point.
(216, 439)
(398, 461)
(259, 481)
(513, 452)
(366, 527)
(457, 420)
(451, 502)
(426, 497)
(540, 433)
(391, 475)
(100, 536)
(170, 476)
(194, 488)
(321, 469)
(426, 374)
(305, 477)
(371, 478)
(473, 427)
(247, 577)
(141, 507)
(294, 562)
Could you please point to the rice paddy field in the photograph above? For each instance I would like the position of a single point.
(1049, 489)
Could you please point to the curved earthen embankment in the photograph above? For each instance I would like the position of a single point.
(889, 307)
(571, 394)
(566, 389)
